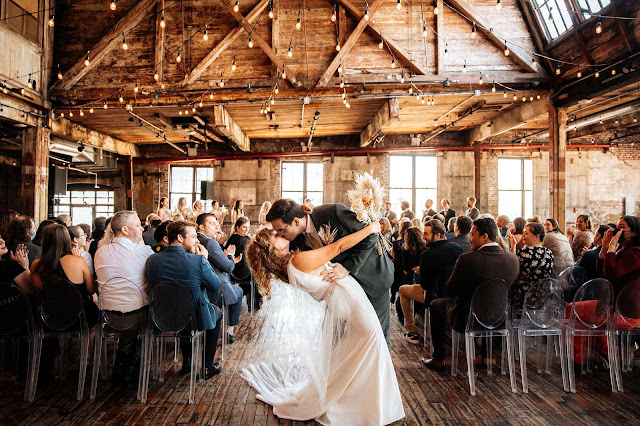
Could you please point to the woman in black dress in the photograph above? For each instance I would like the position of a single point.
(398, 273)
(241, 273)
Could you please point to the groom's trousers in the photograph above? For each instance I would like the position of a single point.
(381, 306)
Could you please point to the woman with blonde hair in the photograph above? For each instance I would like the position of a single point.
(386, 229)
(349, 369)
(198, 209)
(417, 222)
(262, 218)
(183, 210)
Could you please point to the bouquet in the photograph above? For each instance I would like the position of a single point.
(223, 212)
(367, 201)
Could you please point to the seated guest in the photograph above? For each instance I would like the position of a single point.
(241, 273)
(517, 230)
(223, 263)
(503, 224)
(406, 210)
(559, 245)
(66, 219)
(582, 237)
(122, 284)
(153, 220)
(447, 212)
(99, 225)
(589, 259)
(6, 216)
(435, 267)
(462, 230)
(396, 254)
(451, 227)
(185, 262)
(160, 237)
(78, 241)
(441, 218)
(414, 245)
(15, 270)
(37, 240)
(472, 210)
(87, 231)
(57, 260)
(536, 262)
(535, 219)
(486, 261)
(198, 209)
(417, 223)
(21, 231)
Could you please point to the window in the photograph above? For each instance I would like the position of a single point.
(589, 7)
(515, 187)
(84, 206)
(301, 181)
(24, 16)
(412, 178)
(554, 17)
(186, 182)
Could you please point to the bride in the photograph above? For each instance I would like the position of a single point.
(350, 378)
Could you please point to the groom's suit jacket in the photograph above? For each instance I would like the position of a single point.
(373, 271)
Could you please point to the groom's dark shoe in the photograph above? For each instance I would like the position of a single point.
(433, 364)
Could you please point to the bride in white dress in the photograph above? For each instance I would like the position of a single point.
(350, 379)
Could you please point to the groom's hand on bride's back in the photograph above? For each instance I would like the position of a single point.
(307, 208)
(335, 274)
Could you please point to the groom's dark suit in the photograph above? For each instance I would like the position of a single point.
(373, 271)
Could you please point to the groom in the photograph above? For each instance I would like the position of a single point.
(373, 271)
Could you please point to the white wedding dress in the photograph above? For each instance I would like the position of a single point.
(348, 377)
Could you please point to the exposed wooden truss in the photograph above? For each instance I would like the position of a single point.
(223, 122)
(389, 112)
(105, 45)
(510, 120)
(225, 43)
(77, 132)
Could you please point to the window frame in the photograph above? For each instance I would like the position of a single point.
(522, 189)
(196, 192)
(305, 178)
(62, 201)
(544, 23)
(38, 15)
(414, 187)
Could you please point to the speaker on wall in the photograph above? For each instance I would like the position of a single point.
(60, 180)
(206, 190)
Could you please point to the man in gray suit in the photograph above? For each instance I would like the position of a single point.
(373, 271)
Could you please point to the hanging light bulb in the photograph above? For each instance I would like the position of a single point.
(233, 65)
(343, 94)
(402, 78)
(410, 90)
(29, 83)
(366, 14)
(136, 88)
(493, 89)
(60, 76)
(120, 98)
(22, 91)
(348, 105)
(284, 72)
(515, 97)
(333, 15)
(597, 74)
(474, 30)
(339, 67)
(504, 95)
(498, 4)
(480, 81)
(186, 112)
(52, 21)
(464, 67)
(422, 100)
(524, 98)
(424, 31)
(250, 42)
(598, 27)
(399, 5)
(381, 44)
(105, 106)
(418, 96)
(261, 110)
(163, 23)
(193, 109)
(205, 35)
(156, 75)
(70, 114)
(236, 7)
(222, 82)
(91, 110)
(179, 57)
(538, 96)
(579, 73)
(436, 10)
(613, 71)
(558, 71)
(273, 101)
(271, 15)
(200, 103)
(338, 46)
(290, 52)
(113, 5)
(531, 98)
(124, 43)
(342, 83)
(62, 115)
(550, 18)
(298, 21)
(276, 90)
(534, 64)
(393, 63)
(506, 49)
(81, 113)
(211, 95)
(180, 112)
(86, 62)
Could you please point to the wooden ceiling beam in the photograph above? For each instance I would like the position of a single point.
(224, 44)
(76, 132)
(159, 44)
(104, 46)
(539, 41)
(348, 45)
(624, 33)
(397, 50)
(386, 115)
(509, 120)
(520, 56)
(279, 63)
(225, 124)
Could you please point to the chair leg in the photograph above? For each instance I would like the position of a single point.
(455, 343)
(522, 343)
(563, 360)
(470, 350)
(223, 332)
(490, 354)
(97, 352)
(195, 354)
(512, 366)
(550, 340)
(589, 353)
(82, 374)
(570, 357)
(35, 365)
(614, 375)
(148, 349)
(538, 340)
(175, 349)
(503, 356)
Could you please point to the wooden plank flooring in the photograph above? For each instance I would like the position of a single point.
(429, 397)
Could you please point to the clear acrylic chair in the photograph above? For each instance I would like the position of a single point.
(61, 314)
(171, 310)
(591, 316)
(16, 323)
(489, 316)
(542, 315)
(570, 280)
(113, 324)
(627, 324)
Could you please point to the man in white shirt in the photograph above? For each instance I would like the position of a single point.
(122, 284)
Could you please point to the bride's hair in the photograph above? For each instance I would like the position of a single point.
(266, 262)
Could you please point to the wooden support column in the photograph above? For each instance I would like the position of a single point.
(558, 162)
(128, 182)
(477, 157)
(35, 172)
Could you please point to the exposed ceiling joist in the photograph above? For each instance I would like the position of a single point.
(223, 123)
(509, 120)
(76, 132)
(389, 113)
(104, 46)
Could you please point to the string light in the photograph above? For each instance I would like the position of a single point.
(186, 112)
(276, 90)
(62, 115)
(250, 43)
(338, 46)
(366, 14)
(136, 88)
(339, 67)
(193, 109)
(435, 7)
(474, 30)
(273, 101)
(534, 64)
(393, 63)
(156, 76)
(284, 72)
(22, 91)
(333, 15)
(180, 112)
(550, 18)
(493, 88)
(480, 81)
(236, 7)
(211, 95)
(271, 15)
(233, 65)
(70, 114)
(91, 110)
(524, 98)
(120, 98)
(504, 95)
(81, 113)
(399, 5)
(506, 49)
(498, 4)
(105, 106)
(558, 71)
(113, 5)
(86, 63)
(299, 21)
(538, 96)
(52, 21)
(402, 78)
(348, 105)
(179, 57)
(597, 74)
(531, 98)
(290, 52)
(381, 44)
(29, 83)
(222, 82)
(579, 73)
(200, 103)
(424, 31)
(410, 90)
(342, 83)
(613, 71)
(163, 23)
(205, 35)
(124, 42)
(515, 97)
(60, 77)
(464, 67)
(598, 27)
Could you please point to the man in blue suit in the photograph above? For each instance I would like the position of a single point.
(185, 262)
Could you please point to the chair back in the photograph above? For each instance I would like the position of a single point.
(116, 320)
(489, 305)
(598, 292)
(15, 310)
(543, 305)
(572, 277)
(59, 303)
(172, 306)
(628, 306)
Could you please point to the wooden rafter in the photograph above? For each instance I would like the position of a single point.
(397, 50)
(76, 132)
(509, 120)
(348, 45)
(279, 63)
(535, 32)
(226, 125)
(159, 45)
(440, 42)
(624, 33)
(520, 56)
(104, 46)
(224, 44)
(386, 115)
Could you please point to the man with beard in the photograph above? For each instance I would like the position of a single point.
(436, 265)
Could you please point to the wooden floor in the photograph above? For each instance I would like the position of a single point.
(429, 397)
